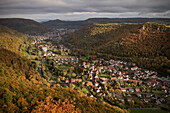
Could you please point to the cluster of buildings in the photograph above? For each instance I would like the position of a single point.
(133, 81)
(124, 80)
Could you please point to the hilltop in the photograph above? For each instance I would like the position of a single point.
(146, 44)
(57, 24)
(26, 26)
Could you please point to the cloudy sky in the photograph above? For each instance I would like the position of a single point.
(83, 9)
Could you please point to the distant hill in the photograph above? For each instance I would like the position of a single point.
(79, 24)
(26, 26)
(146, 44)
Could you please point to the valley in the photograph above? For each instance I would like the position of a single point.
(117, 82)
(102, 67)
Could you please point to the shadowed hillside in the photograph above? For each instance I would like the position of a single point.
(25, 26)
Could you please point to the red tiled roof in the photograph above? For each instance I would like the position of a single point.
(137, 89)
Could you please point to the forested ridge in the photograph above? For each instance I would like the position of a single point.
(26, 26)
(146, 44)
(80, 24)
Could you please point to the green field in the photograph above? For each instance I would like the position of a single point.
(147, 111)
(157, 92)
(85, 90)
(168, 26)
(104, 75)
(107, 24)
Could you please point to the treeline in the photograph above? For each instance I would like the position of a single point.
(23, 90)
(146, 44)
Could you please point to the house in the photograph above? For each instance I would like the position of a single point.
(146, 100)
(92, 67)
(103, 82)
(78, 80)
(138, 94)
(96, 84)
(123, 89)
(73, 80)
(121, 99)
(126, 68)
(148, 95)
(114, 71)
(91, 96)
(143, 28)
(86, 66)
(120, 77)
(96, 77)
(112, 94)
(158, 102)
(119, 73)
(84, 63)
(134, 68)
(129, 99)
(131, 90)
(137, 89)
(114, 78)
(133, 64)
(44, 49)
(89, 83)
(98, 90)
(143, 89)
(102, 94)
(103, 78)
(67, 81)
(95, 61)
(126, 77)
(97, 72)
(100, 69)
(90, 76)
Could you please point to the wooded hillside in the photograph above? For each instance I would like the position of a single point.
(146, 44)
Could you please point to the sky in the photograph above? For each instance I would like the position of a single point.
(42, 10)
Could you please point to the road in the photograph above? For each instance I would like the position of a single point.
(40, 67)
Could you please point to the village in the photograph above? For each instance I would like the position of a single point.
(113, 81)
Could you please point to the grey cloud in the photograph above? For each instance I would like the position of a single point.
(101, 7)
